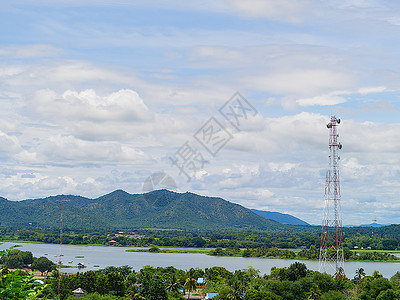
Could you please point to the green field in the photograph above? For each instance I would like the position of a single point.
(379, 251)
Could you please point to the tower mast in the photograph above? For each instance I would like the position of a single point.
(331, 258)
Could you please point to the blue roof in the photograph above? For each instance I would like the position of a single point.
(201, 280)
(211, 295)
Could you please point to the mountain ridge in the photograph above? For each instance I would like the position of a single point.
(121, 210)
(280, 217)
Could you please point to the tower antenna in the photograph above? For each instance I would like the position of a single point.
(331, 258)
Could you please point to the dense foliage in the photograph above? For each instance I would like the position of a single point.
(18, 284)
(294, 282)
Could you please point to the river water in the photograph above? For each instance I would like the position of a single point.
(97, 257)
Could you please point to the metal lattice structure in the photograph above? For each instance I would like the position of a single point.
(331, 259)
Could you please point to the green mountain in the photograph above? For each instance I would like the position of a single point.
(121, 210)
(279, 217)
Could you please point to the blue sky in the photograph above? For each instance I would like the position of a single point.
(98, 95)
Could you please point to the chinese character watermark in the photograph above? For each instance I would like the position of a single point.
(237, 109)
(212, 137)
(156, 181)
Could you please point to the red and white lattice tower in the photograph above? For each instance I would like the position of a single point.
(331, 259)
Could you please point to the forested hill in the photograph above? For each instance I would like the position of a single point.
(121, 210)
(279, 217)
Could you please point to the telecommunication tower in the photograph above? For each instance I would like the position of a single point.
(331, 258)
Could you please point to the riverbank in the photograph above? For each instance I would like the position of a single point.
(36, 242)
(240, 253)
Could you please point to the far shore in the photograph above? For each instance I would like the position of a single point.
(207, 252)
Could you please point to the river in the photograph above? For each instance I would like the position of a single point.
(97, 257)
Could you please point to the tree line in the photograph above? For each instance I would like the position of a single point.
(384, 238)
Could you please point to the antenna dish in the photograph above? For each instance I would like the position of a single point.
(338, 120)
(329, 125)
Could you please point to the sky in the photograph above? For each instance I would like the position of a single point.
(223, 98)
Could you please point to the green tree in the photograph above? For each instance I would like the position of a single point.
(95, 296)
(16, 259)
(19, 285)
(115, 283)
(388, 295)
(296, 271)
(378, 285)
(153, 287)
(27, 257)
(235, 290)
(395, 279)
(376, 274)
(14, 262)
(174, 284)
(360, 274)
(190, 282)
(154, 249)
(134, 294)
(254, 294)
(43, 264)
(315, 293)
(333, 295)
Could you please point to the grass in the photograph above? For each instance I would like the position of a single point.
(380, 251)
(21, 241)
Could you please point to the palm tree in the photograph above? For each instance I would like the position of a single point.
(235, 288)
(174, 284)
(190, 282)
(360, 274)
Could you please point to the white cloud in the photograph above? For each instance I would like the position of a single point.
(10, 71)
(284, 9)
(324, 100)
(282, 167)
(9, 144)
(124, 106)
(67, 149)
(371, 89)
(302, 82)
(28, 51)
(90, 116)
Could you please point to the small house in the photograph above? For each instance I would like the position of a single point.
(79, 292)
(113, 242)
(201, 283)
(81, 266)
